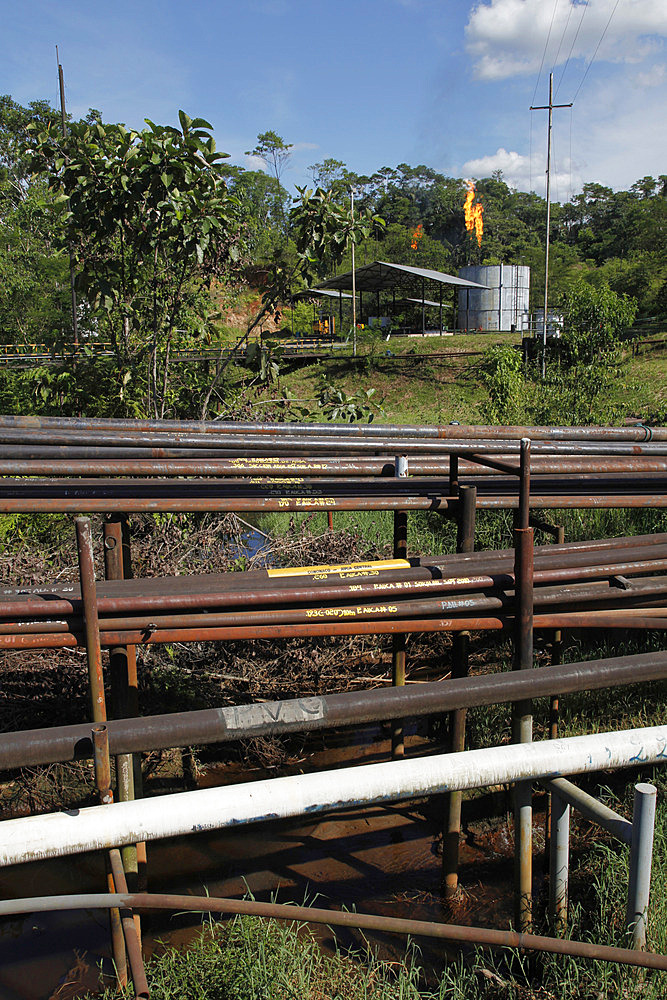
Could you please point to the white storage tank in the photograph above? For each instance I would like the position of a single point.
(502, 305)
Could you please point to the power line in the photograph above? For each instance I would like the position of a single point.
(596, 50)
(570, 7)
(550, 108)
(574, 42)
(546, 45)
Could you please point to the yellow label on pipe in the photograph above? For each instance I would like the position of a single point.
(357, 568)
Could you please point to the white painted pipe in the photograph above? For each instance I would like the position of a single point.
(592, 809)
(559, 862)
(641, 854)
(99, 827)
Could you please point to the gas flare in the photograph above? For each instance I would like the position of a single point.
(416, 236)
(473, 213)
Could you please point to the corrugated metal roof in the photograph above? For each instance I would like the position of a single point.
(426, 302)
(381, 275)
(311, 293)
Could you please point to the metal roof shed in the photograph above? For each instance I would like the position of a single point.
(383, 276)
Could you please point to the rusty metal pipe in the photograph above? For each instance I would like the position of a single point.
(193, 504)
(91, 623)
(71, 640)
(465, 542)
(473, 571)
(148, 625)
(489, 431)
(211, 466)
(220, 725)
(102, 760)
(58, 460)
(328, 441)
(123, 668)
(482, 936)
(523, 720)
(395, 586)
(357, 620)
(398, 641)
(132, 939)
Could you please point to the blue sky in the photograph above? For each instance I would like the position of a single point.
(374, 83)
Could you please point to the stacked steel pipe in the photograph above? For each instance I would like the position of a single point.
(63, 464)
(243, 466)
(574, 584)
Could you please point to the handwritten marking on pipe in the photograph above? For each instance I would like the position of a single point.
(377, 564)
(257, 716)
(421, 584)
(347, 574)
(373, 609)
(268, 463)
(308, 502)
(277, 479)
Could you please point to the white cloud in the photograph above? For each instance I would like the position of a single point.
(255, 163)
(506, 38)
(517, 172)
(619, 137)
(615, 133)
(616, 138)
(654, 77)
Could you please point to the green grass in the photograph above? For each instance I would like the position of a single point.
(249, 958)
(430, 392)
(427, 533)
(426, 391)
(644, 388)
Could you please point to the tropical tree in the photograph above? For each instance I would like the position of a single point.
(272, 149)
(322, 229)
(151, 224)
(34, 295)
(594, 321)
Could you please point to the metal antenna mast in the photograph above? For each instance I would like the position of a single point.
(75, 325)
(547, 107)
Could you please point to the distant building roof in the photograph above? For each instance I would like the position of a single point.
(313, 293)
(380, 275)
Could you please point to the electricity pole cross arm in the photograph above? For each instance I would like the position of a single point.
(548, 107)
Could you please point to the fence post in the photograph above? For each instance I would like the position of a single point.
(123, 662)
(465, 542)
(641, 852)
(100, 737)
(554, 701)
(522, 724)
(84, 540)
(453, 475)
(398, 641)
(559, 861)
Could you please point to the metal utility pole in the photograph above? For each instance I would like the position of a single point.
(354, 286)
(75, 326)
(548, 107)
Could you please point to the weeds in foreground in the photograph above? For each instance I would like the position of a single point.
(249, 958)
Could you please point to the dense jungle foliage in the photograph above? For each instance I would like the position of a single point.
(167, 240)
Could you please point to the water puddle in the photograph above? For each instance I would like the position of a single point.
(382, 859)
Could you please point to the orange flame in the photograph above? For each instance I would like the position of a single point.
(473, 213)
(416, 236)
